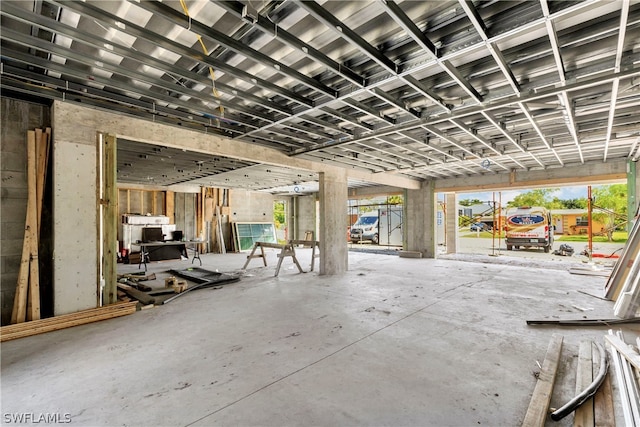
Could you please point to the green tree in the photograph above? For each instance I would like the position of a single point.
(574, 203)
(537, 197)
(279, 213)
(396, 199)
(469, 202)
(612, 199)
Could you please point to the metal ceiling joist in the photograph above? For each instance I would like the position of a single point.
(393, 101)
(624, 14)
(389, 141)
(553, 39)
(413, 161)
(473, 133)
(289, 39)
(478, 23)
(178, 18)
(368, 110)
(116, 22)
(325, 124)
(506, 102)
(502, 130)
(398, 15)
(571, 121)
(450, 140)
(54, 88)
(117, 70)
(347, 33)
(347, 118)
(538, 130)
(141, 57)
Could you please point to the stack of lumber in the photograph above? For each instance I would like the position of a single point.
(623, 285)
(593, 404)
(35, 327)
(626, 360)
(26, 303)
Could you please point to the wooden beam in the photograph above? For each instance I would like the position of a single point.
(603, 404)
(584, 416)
(539, 406)
(28, 266)
(35, 327)
(33, 306)
(624, 349)
(169, 209)
(110, 220)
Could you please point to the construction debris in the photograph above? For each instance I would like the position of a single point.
(589, 391)
(626, 360)
(564, 250)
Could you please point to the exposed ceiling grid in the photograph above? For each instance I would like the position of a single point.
(429, 90)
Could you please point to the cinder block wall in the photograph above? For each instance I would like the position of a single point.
(16, 117)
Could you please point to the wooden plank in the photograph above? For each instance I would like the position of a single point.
(19, 312)
(65, 317)
(169, 210)
(110, 220)
(603, 404)
(143, 297)
(624, 349)
(584, 416)
(539, 406)
(33, 307)
(65, 321)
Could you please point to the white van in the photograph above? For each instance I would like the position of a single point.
(381, 226)
(529, 226)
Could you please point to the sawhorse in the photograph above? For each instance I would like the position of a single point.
(285, 251)
(313, 244)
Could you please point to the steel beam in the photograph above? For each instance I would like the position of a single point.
(177, 18)
(115, 22)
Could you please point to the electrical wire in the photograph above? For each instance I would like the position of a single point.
(212, 73)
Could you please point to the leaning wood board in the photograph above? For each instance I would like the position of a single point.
(539, 406)
(584, 414)
(35, 327)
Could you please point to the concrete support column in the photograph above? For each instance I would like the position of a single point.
(451, 222)
(333, 223)
(633, 187)
(75, 212)
(420, 220)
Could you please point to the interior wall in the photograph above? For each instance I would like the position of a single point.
(251, 206)
(306, 216)
(16, 117)
(75, 219)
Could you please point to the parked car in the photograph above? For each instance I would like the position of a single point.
(478, 226)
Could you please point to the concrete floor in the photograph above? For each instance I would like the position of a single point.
(394, 341)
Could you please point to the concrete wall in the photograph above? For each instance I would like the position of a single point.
(250, 206)
(75, 219)
(16, 117)
(305, 216)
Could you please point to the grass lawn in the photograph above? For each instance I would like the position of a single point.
(618, 237)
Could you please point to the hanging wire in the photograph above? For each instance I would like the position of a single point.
(212, 73)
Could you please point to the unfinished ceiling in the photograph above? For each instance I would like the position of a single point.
(425, 89)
